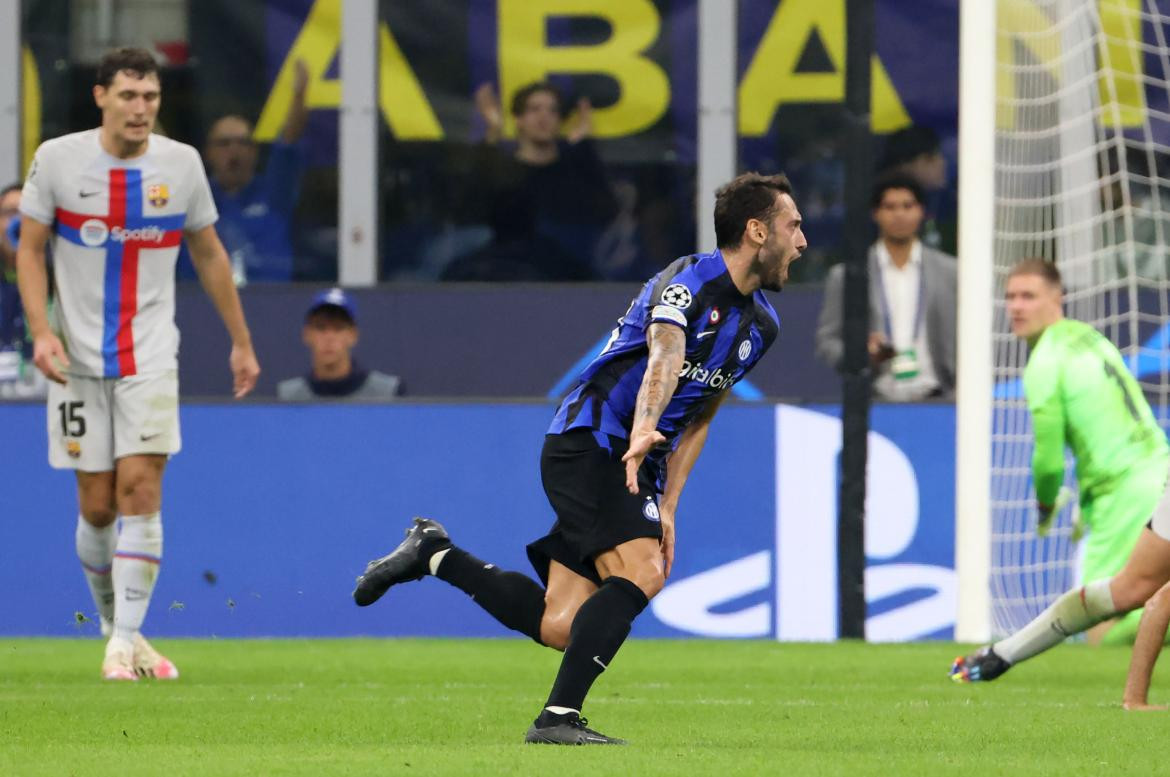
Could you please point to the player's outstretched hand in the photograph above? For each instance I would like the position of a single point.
(245, 370)
(49, 356)
(666, 515)
(641, 441)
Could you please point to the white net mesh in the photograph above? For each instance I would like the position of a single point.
(1083, 178)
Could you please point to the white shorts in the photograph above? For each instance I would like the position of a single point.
(1160, 521)
(93, 422)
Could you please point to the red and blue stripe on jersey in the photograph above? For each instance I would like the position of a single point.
(120, 287)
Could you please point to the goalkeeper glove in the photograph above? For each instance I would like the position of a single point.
(1046, 513)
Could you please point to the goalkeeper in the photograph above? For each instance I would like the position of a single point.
(1080, 394)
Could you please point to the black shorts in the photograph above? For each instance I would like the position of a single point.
(585, 481)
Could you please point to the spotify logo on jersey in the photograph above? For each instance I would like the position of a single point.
(94, 233)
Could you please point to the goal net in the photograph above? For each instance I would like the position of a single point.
(1082, 177)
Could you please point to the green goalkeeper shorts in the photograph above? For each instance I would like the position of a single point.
(1115, 520)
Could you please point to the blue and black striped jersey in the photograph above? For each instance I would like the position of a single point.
(727, 333)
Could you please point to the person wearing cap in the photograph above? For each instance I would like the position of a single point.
(330, 334)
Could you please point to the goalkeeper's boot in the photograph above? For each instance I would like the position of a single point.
(148, 662)
(981, 666)
(409, 561)
(569, 729)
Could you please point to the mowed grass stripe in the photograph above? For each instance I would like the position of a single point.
(429, 707)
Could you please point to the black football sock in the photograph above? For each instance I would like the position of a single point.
(601, 626)
(515, 600)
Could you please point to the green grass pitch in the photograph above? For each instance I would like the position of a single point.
(431, 707)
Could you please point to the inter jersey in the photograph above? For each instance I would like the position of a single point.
(726, 334)
(117, 225)
(1081, 394)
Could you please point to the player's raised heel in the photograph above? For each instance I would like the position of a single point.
(570, 729)
(981, 666)
(405, 563)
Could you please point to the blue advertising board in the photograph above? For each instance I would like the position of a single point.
(271, 511)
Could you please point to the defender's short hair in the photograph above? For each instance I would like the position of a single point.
(748, 196)
(137, 62)
(1035, 265)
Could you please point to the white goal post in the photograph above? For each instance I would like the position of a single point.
(1064, 147)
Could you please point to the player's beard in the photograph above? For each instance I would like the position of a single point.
(772, 267)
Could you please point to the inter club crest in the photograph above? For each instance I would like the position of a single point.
(158, 195)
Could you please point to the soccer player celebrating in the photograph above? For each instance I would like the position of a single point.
(116, 201)
(1080, 394)
(619, 451)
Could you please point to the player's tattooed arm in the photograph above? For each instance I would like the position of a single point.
(667, 349)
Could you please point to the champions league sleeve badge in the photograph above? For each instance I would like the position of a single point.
(677, 296)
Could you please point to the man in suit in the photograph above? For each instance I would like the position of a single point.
(912, 302)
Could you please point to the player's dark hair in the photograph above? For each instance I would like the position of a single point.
(12, 187)
(1034, 265)
(520, 99)
(748, 196)
(137, 62)
(895, 181)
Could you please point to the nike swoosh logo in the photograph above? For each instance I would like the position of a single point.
(709, 332)
(599, 662)
(147, 437)
(83, 195)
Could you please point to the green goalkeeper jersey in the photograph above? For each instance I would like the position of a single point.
(1081, 394)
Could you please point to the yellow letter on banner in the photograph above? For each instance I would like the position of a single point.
(316, 46)
(771, 79)
(1119, 57)
(400, 96)
(526, 57)
(31, 124)
(403, 104)
(1123, 92)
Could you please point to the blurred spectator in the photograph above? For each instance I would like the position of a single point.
(256, 211)
(330, 334)
(916, 152)
(912, 302)
(517, 252)
(558, 185)
(19, 379)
